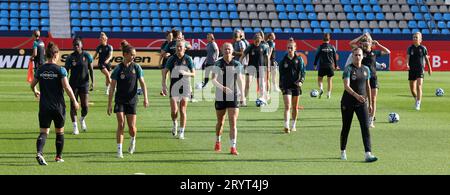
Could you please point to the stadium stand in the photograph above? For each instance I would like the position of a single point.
(336, 16)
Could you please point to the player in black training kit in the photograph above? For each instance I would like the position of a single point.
(416, 57)
(125, 78)
(356, 99)
(228, 78)
(105, 54)
(52, 80)
(292, 76)
(79, 67)
(326, 56)
(181, 68)
(38, 55)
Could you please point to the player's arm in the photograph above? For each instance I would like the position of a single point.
(69, 92)
(240, 81)
(427, 61)
(242, 53)
(354, 43)
(369, 94)
(302, 73)
(91, 71)
(163, 80)
(316, 58)
(384, 50)
(144, 90)
(112, 88)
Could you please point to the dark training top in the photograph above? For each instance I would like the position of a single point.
(256, 54)
(227, 75)
(103, 53)
(358, 78)
(370, 60)
(292, 71)
(417, 57)
(326, 56)
(40, 56)
(175, 64)
(78, 66)
(127, 82)
(50, 84)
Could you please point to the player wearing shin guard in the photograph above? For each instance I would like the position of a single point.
(125, 78)
(79, 67)
(53, 82)
(228, 78)
(292, 76)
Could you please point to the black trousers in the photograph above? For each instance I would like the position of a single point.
(362, 112)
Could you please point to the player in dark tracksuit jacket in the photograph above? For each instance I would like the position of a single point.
(38, 55)
(326, 57)
(79, 66)
(105, 54)
(356, 99)
(52, 81)
(292, 76)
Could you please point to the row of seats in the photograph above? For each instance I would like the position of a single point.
(153, 14)
(24, 14)
(23, 6)
(153, 6)
(250, 30)
(154, 1)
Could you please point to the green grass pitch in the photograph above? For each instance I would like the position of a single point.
(418, 144)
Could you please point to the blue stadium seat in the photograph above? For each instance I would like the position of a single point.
(34, 22)
(312, 16)
(84, 6)
(176, 22)
(95, 22)
(136, 29)
(174, 14)
(447, 16)
(197, 29)
(422, 24)
(144, 14)
(14, 28)
(86, 29)
(412, 24)
(104, 6)
(360, 16)
(13, 6)
(85, 14)
(327, 30)
(351, 16)
(73, 14)
(43, 6)
(45, 22)
(204, 14)
(195, 14)
(124, 6)
(280, 8)
(153, 7)
(309, 8)
(146, 29)
(212, 14)
(414, 9)
(315, 24)
(154, 14)
(126, 29)
(441, 24)
(96, 29)
(125, 22)
(376, 31)
(406, 31)
(187, 29)
(105, 22)
(183, 14)
(224, 15)
(376, 8)
(157, 29)
(297, 30)
(44, 14)
(337, 30)
(93, 6)
(292, 16)
(207, 30)
(143, 6)
(173, 6)
(196, 22)
(135, 22)
(396, 31)
(193, 7)
(425, 31)
(206, 22)
(299, 8)
(185, 22)
(370, 16)
(135, 14)
(234, 15)
(357, 8)
(134, 6)
(203, 6)
(221, 7)
(415, 30)
(163, 6)
(317, 30)
(307, 30)
(437, 16)
(248, 30)
(165, 22)
(290, 8)
(445, 31)
(427, 16)
(324, 24)
(379, 16)
(282, 16)
(24, 22)
(227, 29)
(231, 7)
(115, 22)
(146, 22)
(85, 22)
(75, 22)
(95, 14)
(4, 6)
(357, 30)
(387, 30)
(23, 6)
(14, 14)
(165, 14)
(4, 14)
(435, 31)
(302, 16)
(217, 30)
(348, 8)
(347, 30)
(367, 8)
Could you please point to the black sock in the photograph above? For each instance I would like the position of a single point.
(41, 142)
(59, 144)
(205, 82)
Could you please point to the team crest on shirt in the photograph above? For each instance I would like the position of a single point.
(260, 50)
(133, 71)
(286, 65)
(354, 76)
(122, 75)
(365, 73)
(74, 63)
(296, 61)
(253, 53)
